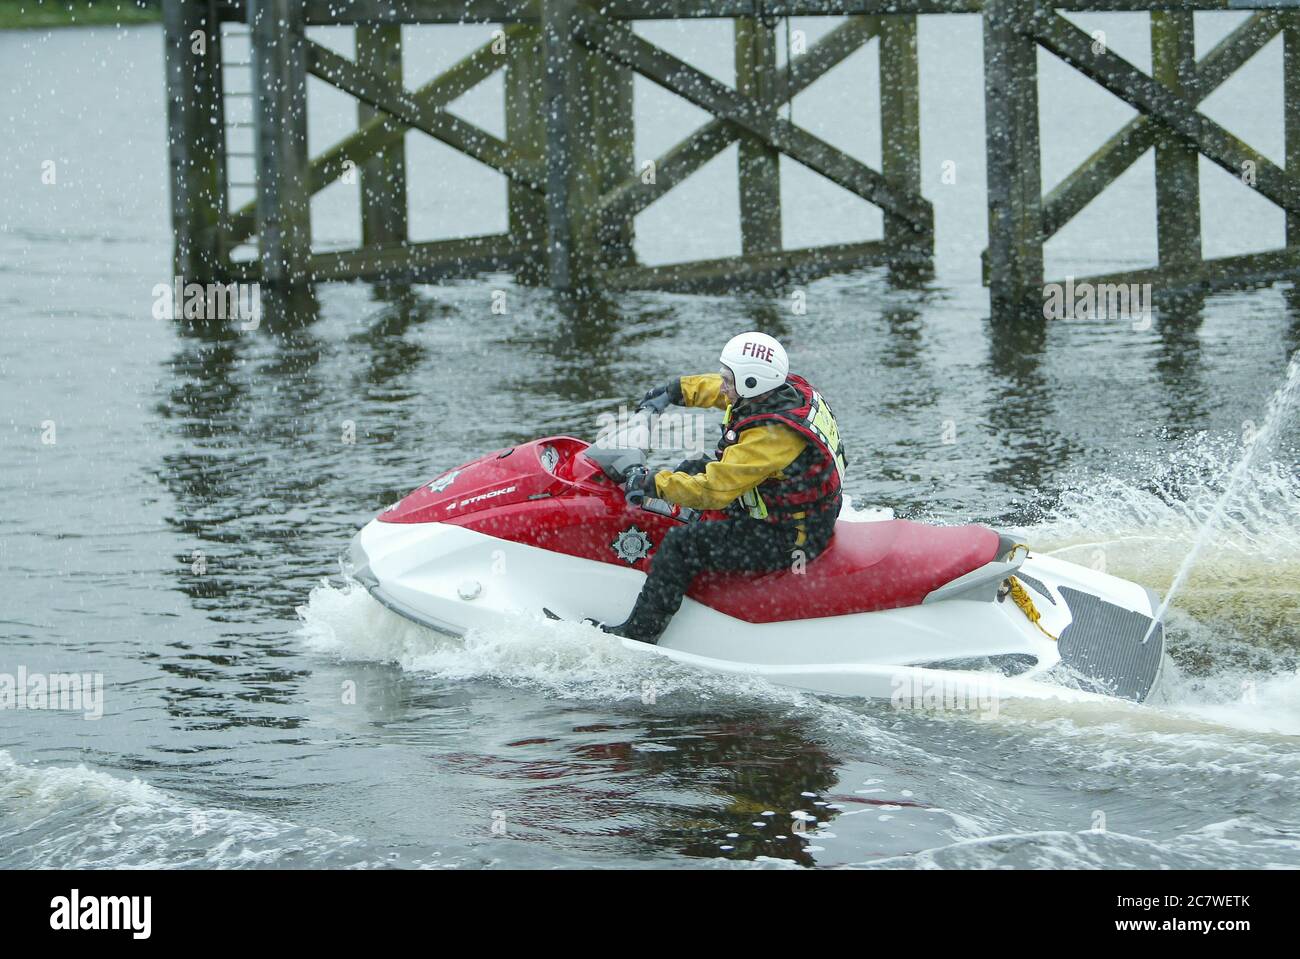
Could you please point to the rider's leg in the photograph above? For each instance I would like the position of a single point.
(731, 545)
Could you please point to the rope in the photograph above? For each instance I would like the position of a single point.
(1007, 556)
(1022, 599)
(1021, 596)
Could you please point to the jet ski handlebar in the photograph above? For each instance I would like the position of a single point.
(683, 514)
(617, 456)
(615, 461)
(620, 450)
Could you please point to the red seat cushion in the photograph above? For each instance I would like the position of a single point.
(866, 567)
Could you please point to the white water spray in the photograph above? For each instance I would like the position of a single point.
(1275, 416)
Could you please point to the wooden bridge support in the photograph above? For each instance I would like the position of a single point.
(526, 131)
(758, 118)
(900, 134)
(610, 158)
(1178, 181)
(196, 146)
(575, 187)
(1016, 235)
(558, 89)
(1168, 120)
(574, 184)
(279, 54)
(589, 150)
(383, 176)
(758, 164)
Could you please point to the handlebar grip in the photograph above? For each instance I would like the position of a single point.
(662, 507)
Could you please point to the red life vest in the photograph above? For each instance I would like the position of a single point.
(811, 483)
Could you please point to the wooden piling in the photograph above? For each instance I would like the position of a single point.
(1178, 192)
(1015, 262)
(383, 175)
(196, 138)
(758, 165)
(608, 157)
(283, 184)
(558, 89)
(589, 150)
(900, 130)
(526, 133)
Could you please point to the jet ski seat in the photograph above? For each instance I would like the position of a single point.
(866, 567)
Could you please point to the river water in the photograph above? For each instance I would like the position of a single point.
(174, 503)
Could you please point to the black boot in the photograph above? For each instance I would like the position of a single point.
(621, 629)
(628, 630)
(644, 624)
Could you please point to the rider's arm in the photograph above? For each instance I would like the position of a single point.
(704, 390)
(760, 453)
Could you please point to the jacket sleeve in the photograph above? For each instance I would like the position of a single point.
(704, 390)
(760, 453)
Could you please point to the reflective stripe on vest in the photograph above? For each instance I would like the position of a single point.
(822, 422)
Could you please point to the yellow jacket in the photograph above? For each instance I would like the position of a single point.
(761, 453)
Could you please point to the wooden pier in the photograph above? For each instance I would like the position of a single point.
(574, 186)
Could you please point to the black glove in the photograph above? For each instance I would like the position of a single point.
(639, 484)
(657, 400)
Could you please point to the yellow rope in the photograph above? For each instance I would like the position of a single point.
(1022, 599)
(1006, 557)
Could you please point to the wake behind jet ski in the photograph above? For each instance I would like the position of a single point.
(875, 608)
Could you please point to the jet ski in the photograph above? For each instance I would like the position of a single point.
(893, 609)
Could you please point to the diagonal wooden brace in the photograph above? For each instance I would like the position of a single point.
(1122, 150)
(370, 138)
(371, 88)
(753, 116)
(686, 157)
(1178, 113)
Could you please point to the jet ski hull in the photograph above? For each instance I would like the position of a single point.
(962, 642)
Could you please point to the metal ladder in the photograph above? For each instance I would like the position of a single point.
(239, 138)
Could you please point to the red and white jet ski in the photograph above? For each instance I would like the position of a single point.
(892, 607)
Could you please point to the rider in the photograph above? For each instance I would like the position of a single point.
(776, 476)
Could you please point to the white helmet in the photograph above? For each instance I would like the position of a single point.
(757, 361)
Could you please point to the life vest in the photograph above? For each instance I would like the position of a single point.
(811, 483)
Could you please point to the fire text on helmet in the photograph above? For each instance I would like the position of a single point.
(757, 350)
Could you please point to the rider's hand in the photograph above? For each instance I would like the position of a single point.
(656, 401)
(639, 484)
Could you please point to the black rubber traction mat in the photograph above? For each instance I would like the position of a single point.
(1037, 586)
(1104, 643)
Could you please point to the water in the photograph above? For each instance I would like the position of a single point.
(1279, 409)
(180, 536)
